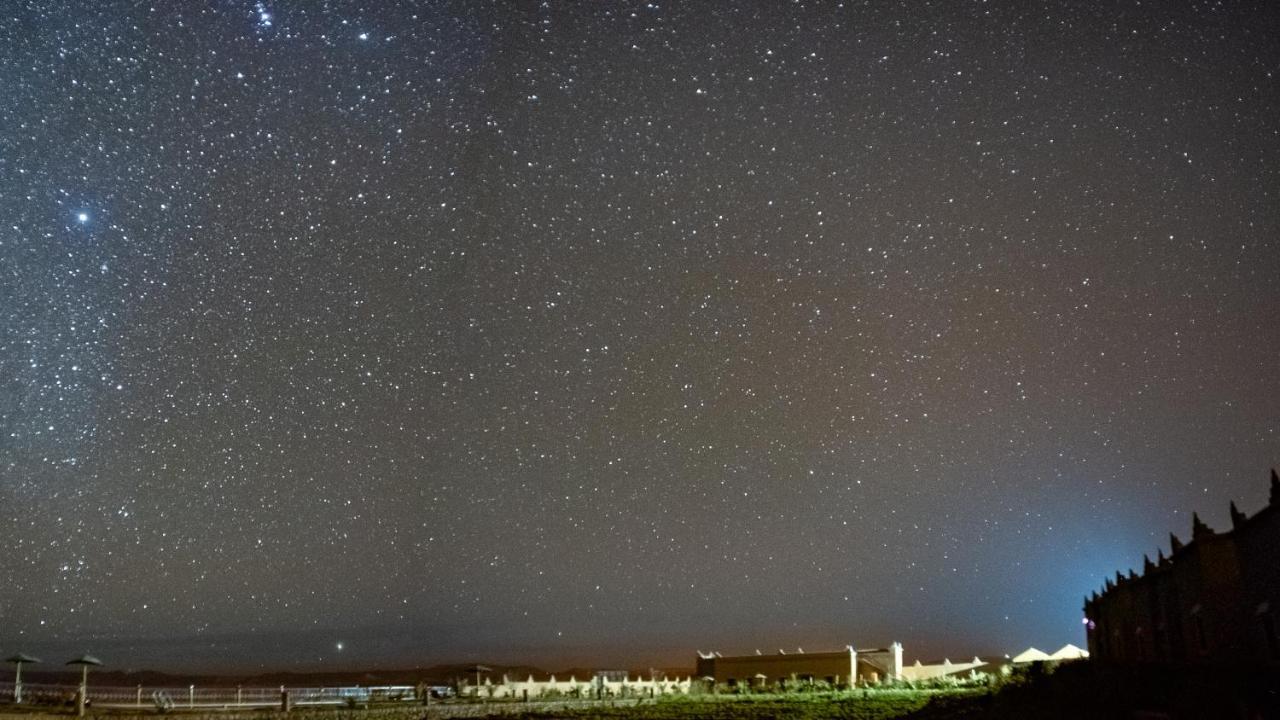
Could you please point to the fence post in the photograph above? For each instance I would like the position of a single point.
(139, 698)
(191, 696)
(239, 694)
(284, 699)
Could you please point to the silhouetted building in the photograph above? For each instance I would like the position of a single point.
(1216, 598)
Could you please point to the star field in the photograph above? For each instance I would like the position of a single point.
(605, 332)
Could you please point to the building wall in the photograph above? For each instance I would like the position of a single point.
(1213, 599)
(880, 664)
(1259, 545)
(833, 667)
(920, 672)
(573, 687)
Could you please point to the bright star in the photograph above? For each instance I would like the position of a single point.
(339, 645)
(83, 217)
(364, 36)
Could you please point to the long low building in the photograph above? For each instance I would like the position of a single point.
(840, 668)
(599, 685)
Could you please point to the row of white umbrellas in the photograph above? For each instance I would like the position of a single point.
(84, 661)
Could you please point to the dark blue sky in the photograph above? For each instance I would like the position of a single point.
(601, 333)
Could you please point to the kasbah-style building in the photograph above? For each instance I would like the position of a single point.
(1213, 599)
(856, 668)
(842, 668)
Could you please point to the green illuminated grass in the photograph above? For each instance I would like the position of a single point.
(876, 705)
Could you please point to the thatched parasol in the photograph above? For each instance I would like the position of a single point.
(477, 669)
(19, 660)
(84, 661)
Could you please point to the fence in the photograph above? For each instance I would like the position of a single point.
(223, 698)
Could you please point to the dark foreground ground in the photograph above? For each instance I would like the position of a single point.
(1073, 691)
(1087, 690)
(1076, 691)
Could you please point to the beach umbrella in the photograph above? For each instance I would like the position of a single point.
(84, 661)
(479, 669)
(19, 660)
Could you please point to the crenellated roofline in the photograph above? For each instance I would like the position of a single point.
(1200, 533)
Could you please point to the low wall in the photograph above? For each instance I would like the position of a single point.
(573, 687)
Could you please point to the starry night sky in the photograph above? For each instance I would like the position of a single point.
(604, 332)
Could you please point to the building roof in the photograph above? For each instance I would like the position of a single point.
(1069, 652)
(795, 655)
(1031, 655)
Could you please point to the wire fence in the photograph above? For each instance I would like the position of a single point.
(193, 697)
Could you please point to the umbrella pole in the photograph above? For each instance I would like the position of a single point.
(17, 685)
(81, 698)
